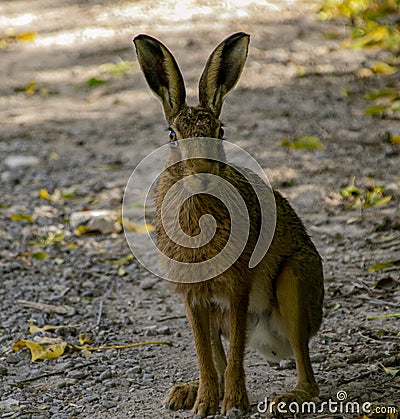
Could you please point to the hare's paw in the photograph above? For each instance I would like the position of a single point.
(207, 401)
(303, 393)
(235, 399)
(182, 396)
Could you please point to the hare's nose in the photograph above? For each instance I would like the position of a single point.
(205, 182)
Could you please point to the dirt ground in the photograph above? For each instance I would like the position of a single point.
(88, 125)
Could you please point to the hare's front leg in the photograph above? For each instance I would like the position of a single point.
(235, 386)
(207, 394)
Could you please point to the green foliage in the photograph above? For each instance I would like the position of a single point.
(374, 21)
(375, 24)
(356, 198)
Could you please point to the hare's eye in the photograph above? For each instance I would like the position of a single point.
(172, 135)
(221, 133)
(172, 138)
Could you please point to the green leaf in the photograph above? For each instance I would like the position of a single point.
(391, 371)
(383, 68)
(378, 94)
(384, 265)
(22, 217)
(351, 190)
(306, 141)
(123, 260)
(118, 69)
(95, 82)
(121, 271)
(39, 255)
(395, 106)
(375, 110)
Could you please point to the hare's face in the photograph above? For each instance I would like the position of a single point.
(205, 156)
(196, 137)
(196, 122)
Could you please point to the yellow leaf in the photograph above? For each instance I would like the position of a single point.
(45, 349)
(384, 265)
(383, 68)
(54, 156)
(22, 217)
(138, 228)
(395, 139)
(31, 88)
(123, 260)
(43, 194)
(82, 230)
(83, 340)
(27, 36)
(144, 228)
(72, 246)
(391, 371)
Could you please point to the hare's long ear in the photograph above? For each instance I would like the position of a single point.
(162, 74)
(222, 71)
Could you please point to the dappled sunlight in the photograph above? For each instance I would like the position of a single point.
(47, 41)
(19, 20)
(70, 38)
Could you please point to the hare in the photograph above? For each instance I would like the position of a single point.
(275, 307)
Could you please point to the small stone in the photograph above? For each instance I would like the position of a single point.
(110, 383)
(148, 283)
(164, 330)
(137, 369)
(234, 413)
(103, 221)
(105, 375)
(9, 404)
(77, 375)
(16, 161)
(286, 364)
(148, 377)
(318, 358)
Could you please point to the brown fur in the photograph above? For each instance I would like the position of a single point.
(276, 306)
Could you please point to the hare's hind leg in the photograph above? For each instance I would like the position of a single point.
(298, 292)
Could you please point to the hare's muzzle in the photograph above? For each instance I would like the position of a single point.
(199, 174)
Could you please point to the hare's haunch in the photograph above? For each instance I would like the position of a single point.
(276, 306)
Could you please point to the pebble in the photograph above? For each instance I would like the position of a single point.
(148, 283)
(17, 161)
(110, 383)
(109, 404)
(105, 375)
(164, 330)
(148, 377)
(287, 364)
(137, 369)
(150, 331)
(103, 221)
(234, 413)
(77, 375)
